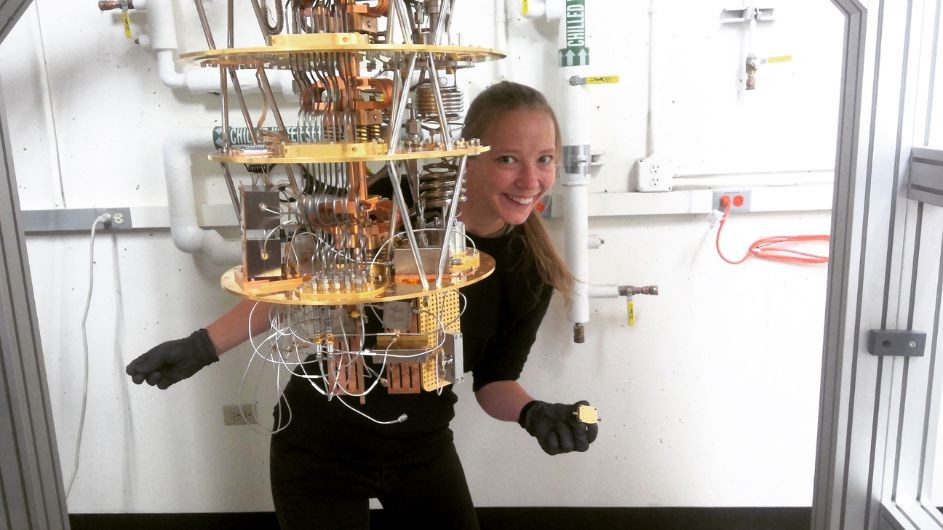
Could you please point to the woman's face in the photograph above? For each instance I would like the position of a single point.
(504, 184)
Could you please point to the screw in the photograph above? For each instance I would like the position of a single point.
(912, 344)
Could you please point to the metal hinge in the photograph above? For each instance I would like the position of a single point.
(901, 343)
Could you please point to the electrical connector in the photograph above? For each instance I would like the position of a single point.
(737, 201)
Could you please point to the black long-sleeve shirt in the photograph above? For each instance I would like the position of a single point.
(499, 325)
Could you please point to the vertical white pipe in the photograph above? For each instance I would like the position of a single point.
(576, 136)
(500, 38)
(650, 123)
(186, 233)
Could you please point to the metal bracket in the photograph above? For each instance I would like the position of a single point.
(901, 343)
(760, 14)
(926, 175)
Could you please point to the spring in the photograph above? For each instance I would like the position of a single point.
(369, 133)
(279, 25)
(453, 101)
(436, 185)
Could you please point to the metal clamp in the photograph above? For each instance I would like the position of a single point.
(900, 343)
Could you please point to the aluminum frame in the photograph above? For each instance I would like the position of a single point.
(877, 415)
(31, 491)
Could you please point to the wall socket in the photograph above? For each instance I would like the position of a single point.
(654, 174)
(740, 200)
(239, 414)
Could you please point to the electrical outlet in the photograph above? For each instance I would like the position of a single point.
(239, 414)
(654, 174)
(740, 200)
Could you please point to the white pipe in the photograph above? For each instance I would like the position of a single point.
(576, 137)
(604, 291)
(184, 229)
(650, 122)
(196, 80)
(160, 16)
(532, 9)
(500, 69)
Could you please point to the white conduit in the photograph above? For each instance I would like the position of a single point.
(500, 39)
(576, 134)
(186, 233)
(196, 80)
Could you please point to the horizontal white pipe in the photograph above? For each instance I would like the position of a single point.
(163, 40)
(704, 173)
(603, 291)
(184, 229)
(198, 80)
(754, 180)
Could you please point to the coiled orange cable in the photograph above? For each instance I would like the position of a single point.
(769, 247)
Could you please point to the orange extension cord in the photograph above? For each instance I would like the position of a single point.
(768, 247)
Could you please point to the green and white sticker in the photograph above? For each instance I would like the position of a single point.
(576, 52)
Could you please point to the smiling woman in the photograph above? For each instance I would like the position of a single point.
(505, 183)
(326, 462)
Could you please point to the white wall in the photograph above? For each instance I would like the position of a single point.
(710, 400)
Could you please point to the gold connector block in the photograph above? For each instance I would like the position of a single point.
(587, 414)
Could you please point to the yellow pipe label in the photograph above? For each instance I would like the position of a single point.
(126, 20)
(525, 8)
(779, 59)
(602, 79)
(630, 306)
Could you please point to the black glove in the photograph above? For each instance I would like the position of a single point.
(556, 426)
(174, 360)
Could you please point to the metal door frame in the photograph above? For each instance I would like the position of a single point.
(31, 491)
(878, 415)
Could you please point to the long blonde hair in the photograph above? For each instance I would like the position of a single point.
(493, 102)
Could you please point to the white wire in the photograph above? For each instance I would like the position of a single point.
(103, 218)
(52, 110)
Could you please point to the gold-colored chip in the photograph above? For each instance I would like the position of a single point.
(587, 414)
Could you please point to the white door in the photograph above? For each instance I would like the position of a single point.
(878, 413)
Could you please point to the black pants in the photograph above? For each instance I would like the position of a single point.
(313, 491)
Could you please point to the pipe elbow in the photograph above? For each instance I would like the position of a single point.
(167, 70)
(186, 237)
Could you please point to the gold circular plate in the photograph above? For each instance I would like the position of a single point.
(397, 291)
(321, 153)
(285, 48)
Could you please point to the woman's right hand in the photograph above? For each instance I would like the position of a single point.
(174, 360)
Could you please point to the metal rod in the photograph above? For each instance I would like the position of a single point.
(440, 23)
(224, 97)
(230, 23)
(242, 103)
(206, 25)
(231, 186)
(401, 108)
(391, 21)
(450, 223)
(440, 106)
(407, 224)
(270, 96)
(403, 22)
(260, 16)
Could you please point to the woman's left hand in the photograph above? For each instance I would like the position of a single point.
(557, 427)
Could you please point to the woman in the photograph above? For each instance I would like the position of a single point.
(328, 462)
